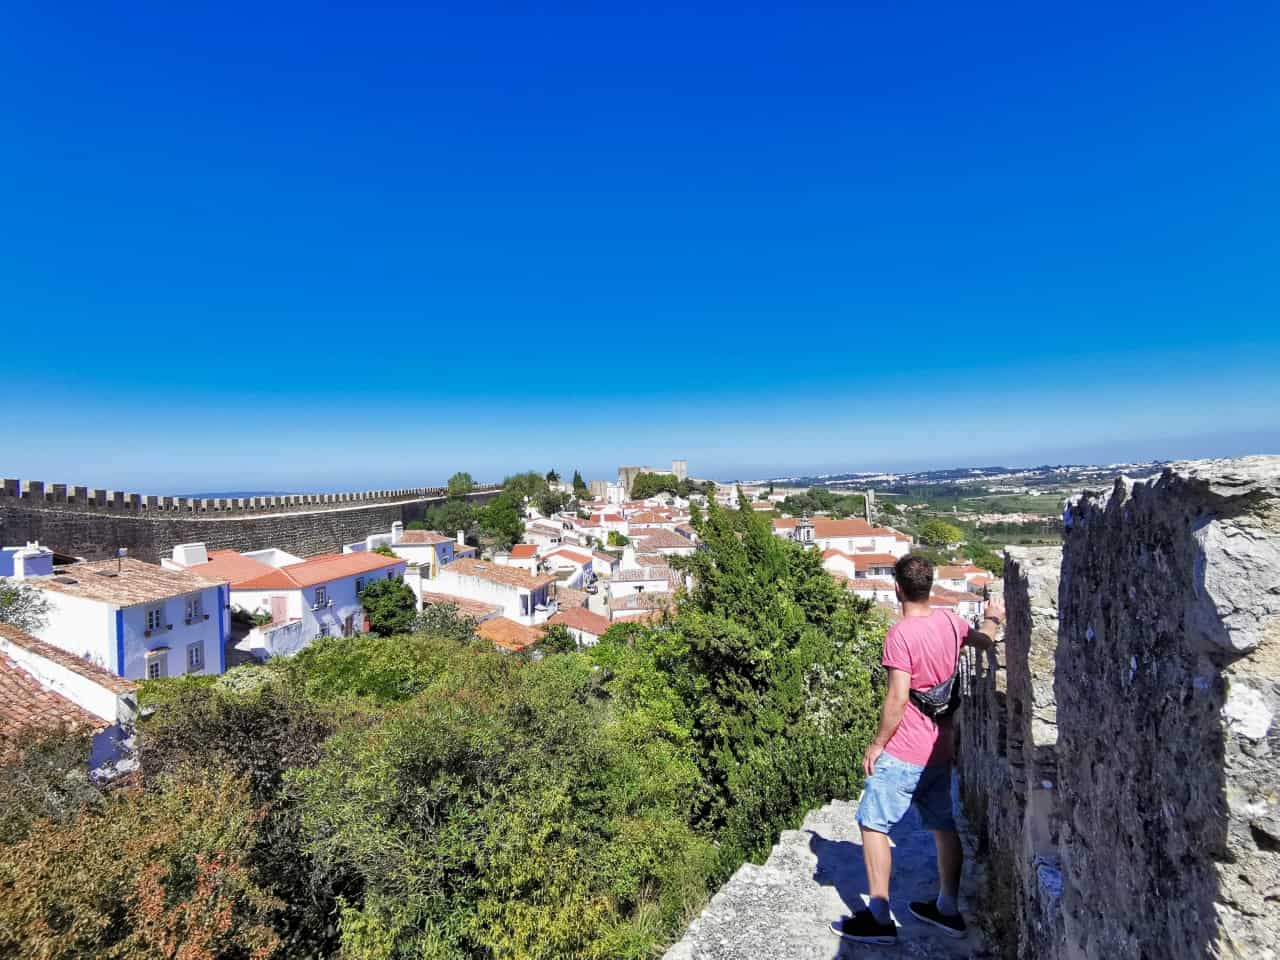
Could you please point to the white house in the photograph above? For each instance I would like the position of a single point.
(427, 549)
(662, 540)
(584, 626)
(43, 685)
(522, 556)
(524, 597)
(859, 565)
(873, 588)
(136, 620)
(579, 563)
(546, 534)
(853, 535)
(968, 605)
(307, 599)
(642, 580)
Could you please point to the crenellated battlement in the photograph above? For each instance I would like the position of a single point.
(64, 496)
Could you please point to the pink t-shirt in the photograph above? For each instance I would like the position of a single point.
(924, 647)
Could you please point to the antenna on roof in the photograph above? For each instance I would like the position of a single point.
(121, 553)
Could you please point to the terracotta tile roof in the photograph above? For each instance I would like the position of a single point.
(464, 550)
(322, 569)
(581, 619)
(511, 576)
(509, 635)
(230, 566)
(959, 572)
(865, 561)
(25, 703)
(475, 609)
(646, 573)
(577, 556)
(643, 601)
(941, 597)
(90, 671)
(567, 597)
(524, 551)
(867, 584)
(413, 537)
(656, 538)
(604, 557)
(136, 582)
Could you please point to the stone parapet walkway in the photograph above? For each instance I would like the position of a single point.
(781, 910)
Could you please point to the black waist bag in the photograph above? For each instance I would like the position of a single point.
(941, 701)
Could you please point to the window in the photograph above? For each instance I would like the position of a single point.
(391, 575)
(195, 657)
(195, 609)
(322, 596)
(359, 584)
(324, 630)
(155, 617)
(156, 664)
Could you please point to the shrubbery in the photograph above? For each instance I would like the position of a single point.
(423, 796)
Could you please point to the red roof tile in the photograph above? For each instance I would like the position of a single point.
(317, 570)
(582, 619)
(509, 635)
(524, 551)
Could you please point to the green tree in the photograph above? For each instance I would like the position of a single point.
(552, 476)
(46, 779)
(460, 484)
(557, 639)
(528, 484)
(384, 550)
(443, 620)
(580, 488)
(22, 606)
(616, 539)
(390, 606)
(151, 874)
(651, 484)
(452, 516)
(501, 521)
(939, 533)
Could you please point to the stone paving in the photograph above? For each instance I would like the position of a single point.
(781, 910)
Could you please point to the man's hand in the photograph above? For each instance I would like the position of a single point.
(870, 757)
(994, 611)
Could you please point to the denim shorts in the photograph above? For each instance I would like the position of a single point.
(895, 785)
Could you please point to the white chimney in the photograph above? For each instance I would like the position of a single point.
(629, 557)
(190, 554)
(397, 532)
(462, 538)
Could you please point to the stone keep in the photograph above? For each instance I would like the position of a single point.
(1167, 672)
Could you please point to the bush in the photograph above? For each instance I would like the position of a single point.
(389, 605)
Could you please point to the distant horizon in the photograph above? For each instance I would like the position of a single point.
(1219, 446)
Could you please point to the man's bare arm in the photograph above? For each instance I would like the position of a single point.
(895, 705)
(984, 638)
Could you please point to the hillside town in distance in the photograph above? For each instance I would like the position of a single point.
(605, 558)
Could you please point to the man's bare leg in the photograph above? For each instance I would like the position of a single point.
(878, 856)
(950, 861)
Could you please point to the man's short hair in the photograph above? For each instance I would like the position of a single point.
(914, 576)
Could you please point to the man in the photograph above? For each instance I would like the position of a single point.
(909, 761)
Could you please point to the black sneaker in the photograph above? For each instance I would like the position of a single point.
(927, 910)
(863, 927)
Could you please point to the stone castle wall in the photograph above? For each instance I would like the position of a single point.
(1142, 818)
(95, 523)
(1007, 757)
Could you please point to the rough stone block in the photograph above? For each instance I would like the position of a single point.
(1168, 684)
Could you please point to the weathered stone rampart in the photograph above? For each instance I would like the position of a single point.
(93, 523)
(1007, 758)
(1142, 812)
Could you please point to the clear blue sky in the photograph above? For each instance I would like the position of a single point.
(310, 246)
